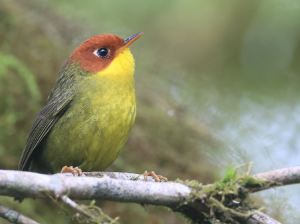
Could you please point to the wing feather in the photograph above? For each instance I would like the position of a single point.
(42, 125)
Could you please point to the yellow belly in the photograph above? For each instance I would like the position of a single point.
(93, 130)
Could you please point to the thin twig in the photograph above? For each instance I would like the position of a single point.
(99, 216)
(14, 217)
(75, 206)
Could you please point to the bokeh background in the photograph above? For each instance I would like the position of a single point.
(217, 83)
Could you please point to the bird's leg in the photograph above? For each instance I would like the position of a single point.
(70, 169)
(157, 178)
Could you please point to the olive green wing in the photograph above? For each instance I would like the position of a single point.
(42, 125)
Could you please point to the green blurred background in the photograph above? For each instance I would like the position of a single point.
(217, 83)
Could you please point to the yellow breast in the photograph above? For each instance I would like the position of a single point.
(109, 110)
(105, 122)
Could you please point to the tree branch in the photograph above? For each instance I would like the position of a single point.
(282, 177)
(261, 218)
(191, 201)
(33, 185)
(285, 176)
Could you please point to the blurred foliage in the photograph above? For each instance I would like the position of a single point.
(17, 84)
(213, 78)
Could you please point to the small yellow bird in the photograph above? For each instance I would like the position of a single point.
(90, 112)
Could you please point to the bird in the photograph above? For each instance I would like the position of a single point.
(89, 113)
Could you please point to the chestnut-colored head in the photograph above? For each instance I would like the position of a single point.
(97, 53)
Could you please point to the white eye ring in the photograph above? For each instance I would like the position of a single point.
(101, 52)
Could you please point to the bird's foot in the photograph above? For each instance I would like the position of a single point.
(156, 177)
(70, 169)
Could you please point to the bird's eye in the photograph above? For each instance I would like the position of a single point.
(102, 52)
